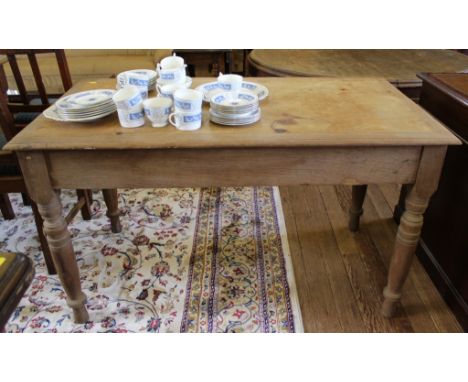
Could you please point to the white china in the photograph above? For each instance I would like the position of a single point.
(234, 108)
(211, 88)
(128, 97)
(230, 82)
(130, 118)
(186, 121)
(235, 120)
(172, 76)
(83, 106)
(188, 100)
(132, 77)
(231, 103)
(168, 90)
(187, 83)
(52, 113)
(85, 100)
(171, 62)
(129, 104)
(157, 110)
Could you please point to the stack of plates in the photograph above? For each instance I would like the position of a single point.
(84, 106)
(232, 109)
(149, 74)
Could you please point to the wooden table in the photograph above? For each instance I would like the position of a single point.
(400, 67)
(312, 131)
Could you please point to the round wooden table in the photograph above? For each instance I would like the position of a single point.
(400, 67)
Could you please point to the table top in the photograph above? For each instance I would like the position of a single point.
(299, 112)
(397, 66)
(455, 84)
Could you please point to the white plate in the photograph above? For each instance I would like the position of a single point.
(239, 121)
(211, 88)
(85, 100)
(51, 113)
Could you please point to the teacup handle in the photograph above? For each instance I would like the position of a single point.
(173, 123)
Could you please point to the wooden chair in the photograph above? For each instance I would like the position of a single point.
(12, 120)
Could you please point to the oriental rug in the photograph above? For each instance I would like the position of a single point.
(187, 260)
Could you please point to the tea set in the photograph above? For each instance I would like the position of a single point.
(233, 101)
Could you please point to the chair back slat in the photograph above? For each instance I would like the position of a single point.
(38, 78)
(7, 123)
(18, 78)
(63, 68)
(18, 104)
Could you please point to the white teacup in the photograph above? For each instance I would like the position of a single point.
(171, 62)
(157, 110)
(187, 121)
(188, 100)
(230, 82)
(133, 117)
(128, 97)
(169, 89)
(172, 76)
(141, 81)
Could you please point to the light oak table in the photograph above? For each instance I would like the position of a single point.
(312, 131)
(398, 66)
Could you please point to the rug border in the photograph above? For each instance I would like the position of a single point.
(293, 295)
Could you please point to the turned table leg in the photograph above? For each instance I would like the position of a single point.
(35, 171)
(411, 223)
(113, 212)
(355, 212)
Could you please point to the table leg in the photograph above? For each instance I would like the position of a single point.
(411, 222)
(355, 212)
(36, 176)
(113, 212)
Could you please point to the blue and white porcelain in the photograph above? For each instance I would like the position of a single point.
(187, 83)
(235, 120)
(128, 97)
(131, 118)
(211, 88)
(234, 103)
(85, 100)
(157, 110)
(83, 106)
(187, 100)
(230, 82)
(137, 77)
(186, 121)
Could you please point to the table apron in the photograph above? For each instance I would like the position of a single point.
(232, 167)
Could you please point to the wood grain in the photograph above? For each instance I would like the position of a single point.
(367, 255)
(231, 167)
(299, 112)
(397, 66)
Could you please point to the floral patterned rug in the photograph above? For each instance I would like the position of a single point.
(187, 260)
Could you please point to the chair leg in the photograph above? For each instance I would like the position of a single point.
(6, 208)
(26, 200)
(113, 212)
(44, 245)
(86, 209)
(355, 212)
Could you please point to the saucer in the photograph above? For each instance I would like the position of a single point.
(188, 82)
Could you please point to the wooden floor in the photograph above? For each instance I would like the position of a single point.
(340, 275)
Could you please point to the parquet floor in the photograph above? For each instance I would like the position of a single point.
(340, 275)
